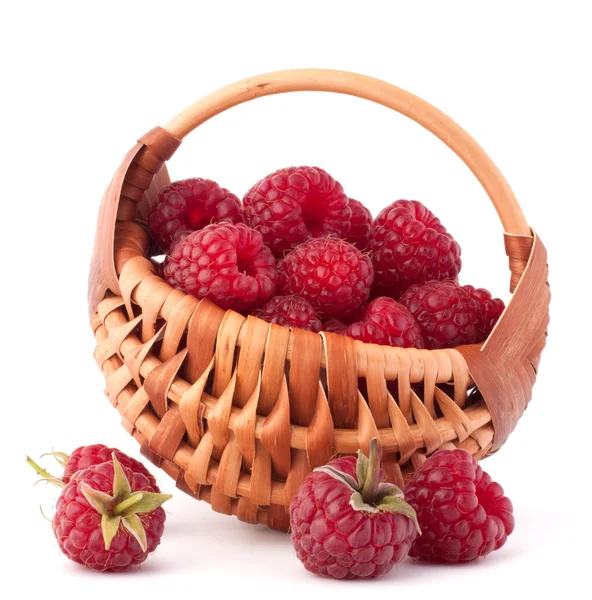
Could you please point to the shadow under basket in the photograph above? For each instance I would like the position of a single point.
(238, 411)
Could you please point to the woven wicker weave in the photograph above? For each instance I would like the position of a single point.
(238, 411)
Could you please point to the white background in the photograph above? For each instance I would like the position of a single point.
(81, 81)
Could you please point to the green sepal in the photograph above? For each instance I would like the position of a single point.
(61, 457)
(148, 501)
(121, 486)
(398, 506)
(100, 501)
(45, 475)
(134, 525)
(340, 476)
(109, 527)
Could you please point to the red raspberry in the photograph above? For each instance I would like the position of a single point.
(389, 323)
(90, 527)
(361, 221)
(345, 524)
(229, 264)
(451, 315)
(95, 454)
(334, 276)
(409, 245)
(293, 204)
(462, 513)
(189, 205)
(334, 326)
(490, 310)
(290, 311)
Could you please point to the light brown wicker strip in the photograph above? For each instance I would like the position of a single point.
(238, 411)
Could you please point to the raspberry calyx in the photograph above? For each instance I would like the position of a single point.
(369, 493)
(122, 507)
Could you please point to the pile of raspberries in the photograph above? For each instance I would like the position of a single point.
(299, 252)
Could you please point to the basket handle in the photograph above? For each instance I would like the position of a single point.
(369, 88)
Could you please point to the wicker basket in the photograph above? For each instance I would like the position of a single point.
(238, 411)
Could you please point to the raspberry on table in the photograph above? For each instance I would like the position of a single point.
(347, 523)
(290, 311)
(228, 264)
(361, 221)
(332, 274)
(409, 245)
(386, 322)
(462, 513)
(92, 530)
(449, 314)
(189, 205)
(293, 204)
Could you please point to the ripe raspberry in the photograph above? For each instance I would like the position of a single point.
(293, 204)
(290, 311)
(389, 323)
(409, 245)
(229, 264)
(361, 221)
(95, 454)
(189, 205)
(103, 522)
(462, 513)
(490, 310)
(450, 315)
(334, 276)
(334, 326)
(346, 524)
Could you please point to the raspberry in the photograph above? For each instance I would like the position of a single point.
(293, 204)
(334, 326)
(387, 322)
(345, 524)
(290, 311)
(334, 276)
(229, 264)
(95, 454)
(409, 245)
(490, 310)
(361, 221)
(188, 205)
(450, 315)
(462, 513)
(91, 531)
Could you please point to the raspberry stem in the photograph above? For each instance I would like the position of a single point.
(371, 483)
(44, 474)
(127, 503)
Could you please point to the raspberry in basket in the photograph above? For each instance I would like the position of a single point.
(361, 221)
(334, 276)
(229, 264)
(290, 311)
(108, 517)
(409, 245)
(347, 524)
(449, 314)
(334, 326)
(292, 204)
(462, 513)
(189, 205)
(389, 323)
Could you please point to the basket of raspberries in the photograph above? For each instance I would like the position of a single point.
(248, 341)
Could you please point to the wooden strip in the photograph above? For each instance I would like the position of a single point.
(159, 380)
(376, 385)
(320, 445)
(192, 409)
(367, 429)
(169, 433)
(250, 359)
(274, 366)
(243, 427)
(176, 325)
(304, 375)
(260, 488)
(201, 338)
(219, 416)
(275, 434)
(342, 379)
(300, 469)
(225, 347)
(402, 431)
(197, 468)
(431, 434)
(229, 469)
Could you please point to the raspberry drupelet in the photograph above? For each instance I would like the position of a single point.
(290, 311)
